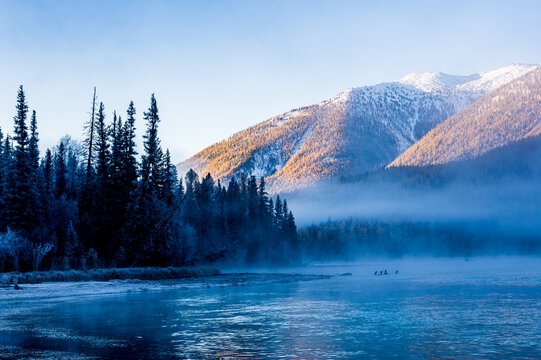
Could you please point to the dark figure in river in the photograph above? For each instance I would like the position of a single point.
(381, 272)
(396, 272)
(375, 272)
(386, 273)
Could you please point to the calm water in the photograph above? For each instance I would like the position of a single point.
(476, 309)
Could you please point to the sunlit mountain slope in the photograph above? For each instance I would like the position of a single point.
(509, 114)
(360, 130)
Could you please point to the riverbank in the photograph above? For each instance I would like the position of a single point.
(147, 273)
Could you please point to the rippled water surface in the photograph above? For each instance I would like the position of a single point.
(481, 308)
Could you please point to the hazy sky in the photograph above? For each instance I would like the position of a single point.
(219, 66)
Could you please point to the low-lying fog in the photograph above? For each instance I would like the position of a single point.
(513, 206)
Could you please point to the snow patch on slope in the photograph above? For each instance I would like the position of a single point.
(302, 140)
(281, 120)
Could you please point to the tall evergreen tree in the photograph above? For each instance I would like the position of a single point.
(116, 149)
(60, 171)
(33, 143)
(151, 164)
(87, 205)
(102, 148)
(35, 207)
(129, 169)
(102, 192)
(169, 180)
(278, 213)
(150, 219)
(47, 185)
(89, 140)
(20, 211)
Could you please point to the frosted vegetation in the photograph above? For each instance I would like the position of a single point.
(147, 273)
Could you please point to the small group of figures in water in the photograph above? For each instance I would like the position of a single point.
(383, 272)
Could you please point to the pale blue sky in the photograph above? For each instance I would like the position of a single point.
(219, 66)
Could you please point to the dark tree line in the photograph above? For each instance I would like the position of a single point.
(101, 204)
(353, 238)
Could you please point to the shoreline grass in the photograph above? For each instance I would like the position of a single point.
(106, 274)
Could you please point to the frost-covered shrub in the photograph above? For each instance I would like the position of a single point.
(39, 252)
(13, 247)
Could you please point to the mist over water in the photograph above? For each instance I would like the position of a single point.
(510, 203)
(368, 218)
(486, 308)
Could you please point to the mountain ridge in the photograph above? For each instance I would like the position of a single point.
(358, 130)
(506, 115)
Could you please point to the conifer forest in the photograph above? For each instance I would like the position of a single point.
(105, 203)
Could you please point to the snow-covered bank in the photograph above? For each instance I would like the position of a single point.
(148, 273)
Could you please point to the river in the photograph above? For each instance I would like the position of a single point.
(478, 308)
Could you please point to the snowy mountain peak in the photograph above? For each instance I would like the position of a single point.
(476, 84)
(437, 82)
(509, 114)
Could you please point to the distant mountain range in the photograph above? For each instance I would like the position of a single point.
(504, 116)
(360, 130)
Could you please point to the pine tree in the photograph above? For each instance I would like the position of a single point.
(87, 200)
(47, 185)
(149, 221)
(102, 196)
(48, 172)
(7, 161)
(75, 175)
(33, 143)
(20, 213)
(234, 213)
(278, 213)
(102, 149)
(89, 140)
(119, 191)
(116, 149)
(125, 185)
(151, 164)
(35, 207)
(129, 170)
(253, 202)
(169, 180)
(60, 206)
(60, 171)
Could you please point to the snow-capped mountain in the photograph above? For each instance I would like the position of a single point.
(465, 89)
(504, 116)
(359, 130)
